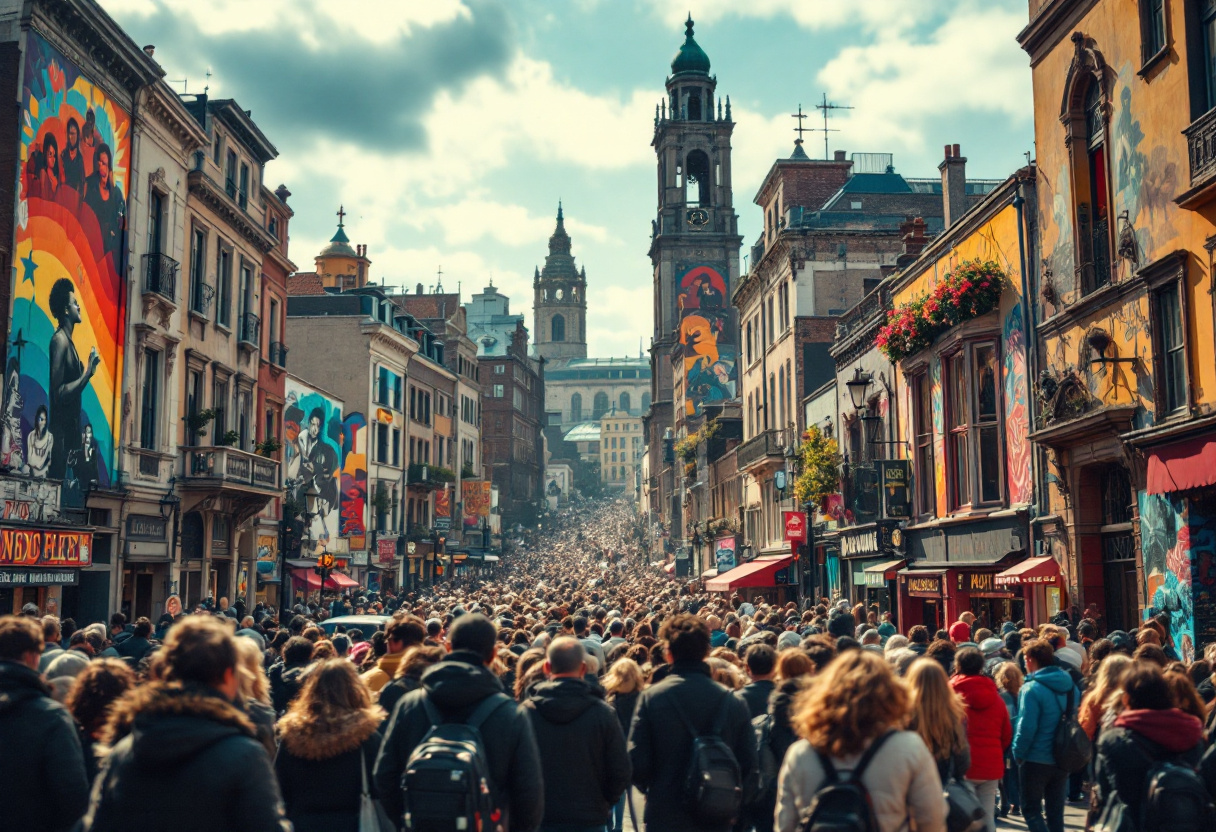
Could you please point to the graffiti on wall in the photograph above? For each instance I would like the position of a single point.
(708, 336)
(1017, 420)
(312, 455)
(939, 436)
(60, 412)
(354, 480)
(1201, 518)
(1165, 539)
(268, 557)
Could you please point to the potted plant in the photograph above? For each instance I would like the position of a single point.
(230, 438)
(268, 446)
(197, 421)
(821, 459)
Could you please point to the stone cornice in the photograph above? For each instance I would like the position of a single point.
(163, 105)
(221, 204)
(395, 342)
(1055, 19)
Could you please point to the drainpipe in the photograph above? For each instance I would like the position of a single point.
(1031, 368)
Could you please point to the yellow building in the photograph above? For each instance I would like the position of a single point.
(1124, 125)
(621, 448)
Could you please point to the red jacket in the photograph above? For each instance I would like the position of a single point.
(989, 731)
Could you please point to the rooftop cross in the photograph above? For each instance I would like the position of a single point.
(800, 129)
(341, 215)
(826, 106)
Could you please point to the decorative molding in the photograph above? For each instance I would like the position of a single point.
(170, 114)
(212, 196)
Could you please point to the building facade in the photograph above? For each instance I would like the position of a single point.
(513, 401)
(559, 302)
(620, 449)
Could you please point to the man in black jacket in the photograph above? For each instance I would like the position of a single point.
(285, 678)
(456, 686)
(181, 749)
(761, 659)
(137, 646)
(43, 787)
(660, 745)
(581, 745)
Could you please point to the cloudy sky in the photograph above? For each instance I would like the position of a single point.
(449, 129)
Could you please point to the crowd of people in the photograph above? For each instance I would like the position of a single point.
(536, 699)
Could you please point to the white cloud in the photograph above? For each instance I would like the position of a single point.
(809, 14)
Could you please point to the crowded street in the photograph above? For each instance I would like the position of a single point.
(248, 720)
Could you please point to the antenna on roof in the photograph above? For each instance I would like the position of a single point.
(207, 86)
(185, 82)
(826, 106)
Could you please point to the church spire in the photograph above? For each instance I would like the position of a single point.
(340, 236)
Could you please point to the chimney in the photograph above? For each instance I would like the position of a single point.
(418, 289)
(840, 156)
(954, 185)
(912, 232)
(149, 50)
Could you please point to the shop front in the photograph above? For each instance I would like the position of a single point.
(867, 547)
(37, 563)
(1039, 584)
(922, 599)
(770, 578)
(145, 566)
(990, 601)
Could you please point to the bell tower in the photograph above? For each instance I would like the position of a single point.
(694, 245)
(559, 306)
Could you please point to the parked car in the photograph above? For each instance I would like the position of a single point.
(368, 624)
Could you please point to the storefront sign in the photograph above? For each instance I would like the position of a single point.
(925, 586)
(859, 545)
(39, 577)
(876, 580)
(386, 549)
(724, 553)
(359, 558)
(895, 497)
(982, 585)
(146, 527)
(795, 526)
(45, 547)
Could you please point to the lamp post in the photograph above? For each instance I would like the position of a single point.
(858, 385)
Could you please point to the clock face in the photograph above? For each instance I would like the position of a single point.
(698, 218)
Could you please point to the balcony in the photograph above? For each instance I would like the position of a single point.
(250, 330)
(429, 476)
(278, 354)
(767, 447)
(1201, 148)
(201, 298)
(160, 276)
(237, 482)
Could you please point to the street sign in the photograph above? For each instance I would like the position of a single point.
(795, 526)
(443, 524)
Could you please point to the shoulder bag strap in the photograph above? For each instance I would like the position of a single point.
(488, 706)
(683, 715)
(829, 770)
(363, 769)
(864, 762)
(720, 717)
(432, 713)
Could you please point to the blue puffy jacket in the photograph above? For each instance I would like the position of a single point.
(1041, 702)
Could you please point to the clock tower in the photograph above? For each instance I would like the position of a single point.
(694, 246)
(559, 305)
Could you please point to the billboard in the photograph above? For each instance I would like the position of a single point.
(312, 426)
(61, 403)
(476, 496)
(708, 336)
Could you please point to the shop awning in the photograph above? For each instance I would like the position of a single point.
(762, 572)
(336, 580)
(1182, 466)
(880, 573)
(1040, 570)
(709, 573)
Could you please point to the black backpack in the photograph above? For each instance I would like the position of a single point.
(713, 785)
(447, 782)
(843, 805)
(1175, 798)
(1071, 746)
(767, 764)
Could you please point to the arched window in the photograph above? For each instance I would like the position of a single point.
(624, 402)
(694, 106)
(599, 405)
(696, 188)
(1098, 208)
(557, 328)
(645, 402)
(576, 407)
(1085, 111)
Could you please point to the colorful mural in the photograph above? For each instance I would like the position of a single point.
(708, 336)
(476, 497)
(1165, 539)
(313, 451)
(939, 433)
(1201, 519)
(354, 481)
(268, 557)
(1017, 421)
(69, 305)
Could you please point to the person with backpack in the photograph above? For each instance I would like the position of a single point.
(761, 660)
(581, 743)
(1048, 692)
(460, 728)
(691, 742)
(855, 767)
(1147, 759)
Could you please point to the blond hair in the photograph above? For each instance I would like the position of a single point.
(1008, 677)
(853, 700)
(1108, 682)
(251, 677)
(936, 711)
(625, 676)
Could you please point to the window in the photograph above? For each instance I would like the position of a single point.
(499, 369)
(517, 398)
(198, 271)
(925, 472)
(599, 406)
(156, 221)
(243, 421)
(388, 388)
(696, 189)
(223, 277)
(1173, 350)
(576, 408)
(974, 462)
(219, 404)
(1152, 29)
(781, 395)
(625, 402)
(396, 446)
(149, 400)
(245, 299)
(1207, 72)
(382, 441)
(243, 186)
(230, 175)
(194, 400)
(498, 392)
(216, 148)
(558, 328)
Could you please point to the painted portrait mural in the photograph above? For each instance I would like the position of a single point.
(60, 411)
(313, 448)
(354, 480)
(707, 332)
(1165, 539)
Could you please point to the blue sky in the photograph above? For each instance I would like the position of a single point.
(450, 128)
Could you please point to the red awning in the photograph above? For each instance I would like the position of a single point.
(1040, 570)
(1181, 466)
(336, 580)
(761, 572)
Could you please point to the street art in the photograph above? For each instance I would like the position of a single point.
(268, 557)
(1017, 420)
(939, 435)
(353, 499)
(60, 412)
(1201, 518)
(1165, 535)
(313, 450)
(707, 332)
(476, 497)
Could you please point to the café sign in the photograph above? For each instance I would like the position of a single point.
(45, 547)
(925, 586)
(859, 545)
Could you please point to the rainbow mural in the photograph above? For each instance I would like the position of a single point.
(61, 405)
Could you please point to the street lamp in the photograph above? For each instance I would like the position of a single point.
(858, 385)
(169, 502)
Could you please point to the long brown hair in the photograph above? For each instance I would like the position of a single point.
(935, 709)
(853, 700)
(332, 691)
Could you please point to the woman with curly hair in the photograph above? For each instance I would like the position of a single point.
(93, 692)
(851, 713)
(328, 738)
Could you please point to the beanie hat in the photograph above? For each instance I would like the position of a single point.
(960, 631)
(990, 646)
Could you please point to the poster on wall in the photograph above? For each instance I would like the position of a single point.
(443, 509)
(476, 497)
(268, 557)
(724, 553)
(60, 411)
(354, 481)
(707, 336)
(312, 426)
